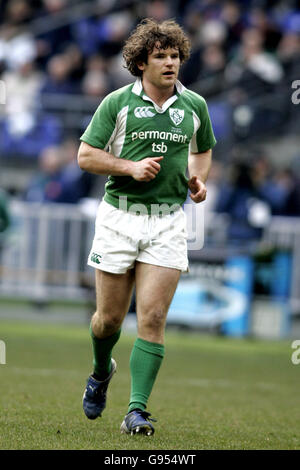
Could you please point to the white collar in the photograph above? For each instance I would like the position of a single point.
(138, 88)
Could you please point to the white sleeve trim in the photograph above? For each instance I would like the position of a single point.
(197, 124)
(116, 141)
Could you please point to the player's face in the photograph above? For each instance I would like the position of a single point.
(162, 67)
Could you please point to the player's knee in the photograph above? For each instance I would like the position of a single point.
(107, 322)
(154, 319)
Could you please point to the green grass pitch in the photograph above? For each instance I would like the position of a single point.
(211, 393)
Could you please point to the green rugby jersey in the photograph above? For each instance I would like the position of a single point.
(130, 125)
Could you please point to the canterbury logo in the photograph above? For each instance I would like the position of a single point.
(96, 258)
(144, 112)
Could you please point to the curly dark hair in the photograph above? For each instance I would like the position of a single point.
(147, 34)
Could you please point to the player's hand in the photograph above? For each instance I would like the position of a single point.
(146, 169)
(197, 188)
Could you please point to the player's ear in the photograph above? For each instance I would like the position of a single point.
(141, 66)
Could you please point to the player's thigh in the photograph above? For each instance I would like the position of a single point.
(113, 293)
(155, 288)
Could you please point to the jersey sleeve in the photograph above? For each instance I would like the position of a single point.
(203, 138)
(101, 129)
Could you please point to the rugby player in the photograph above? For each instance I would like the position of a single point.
(145, 136)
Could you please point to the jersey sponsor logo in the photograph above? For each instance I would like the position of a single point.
(176, 115)
(163, 135)
(144, 112)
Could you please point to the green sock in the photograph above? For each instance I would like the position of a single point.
(102, 349)
(145, 361)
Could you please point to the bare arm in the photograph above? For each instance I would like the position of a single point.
(95, 160)
(199, 165)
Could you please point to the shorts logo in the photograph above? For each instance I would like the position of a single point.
(176, 115)
(144, 112)
(96, 258)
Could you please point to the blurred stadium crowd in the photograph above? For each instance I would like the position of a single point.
(59, 58)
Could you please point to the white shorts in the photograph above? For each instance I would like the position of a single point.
(121, 238)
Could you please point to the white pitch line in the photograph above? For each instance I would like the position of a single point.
(194, 382)
(222, 383)
(43, 372)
